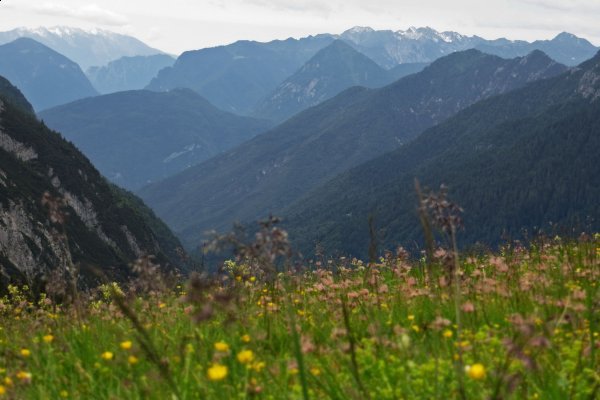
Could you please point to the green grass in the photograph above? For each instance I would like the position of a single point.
(529, 317)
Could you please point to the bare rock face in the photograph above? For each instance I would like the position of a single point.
(589, 85)
(58, 214)
(30, 246)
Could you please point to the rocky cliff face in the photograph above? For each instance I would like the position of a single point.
(57, 213)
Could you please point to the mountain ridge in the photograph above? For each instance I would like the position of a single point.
(514, 161)
(45, 77)
(269, 172)
(95, 47)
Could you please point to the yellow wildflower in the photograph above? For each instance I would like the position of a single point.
(25, 352)
(258, 366)
(217, 372)
(126, 345)
(447, 334)
(107, 355)
(132, 360)
(8, 381)
(64, 394)
(48, 338)
(2, 390)
(245, 356)
(222, 347)
(24, 376)
(315, 371)
(476, 371)
(246, 338)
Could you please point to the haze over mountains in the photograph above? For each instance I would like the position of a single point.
(46, 77)
(83, 220)
(273, 170)
(127, 73)
(86, 47)
(389, 48)
(522, 160)
(138, 137)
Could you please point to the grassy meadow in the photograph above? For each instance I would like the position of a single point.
(519, 324)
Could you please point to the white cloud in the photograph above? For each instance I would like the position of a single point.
(562, 5)
(89, 12)
(313, 6)
(178, 25)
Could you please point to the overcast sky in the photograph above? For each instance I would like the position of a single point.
(178, 25)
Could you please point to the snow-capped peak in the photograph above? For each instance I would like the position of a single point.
(63, 31)
(360, 29)
(430, 34)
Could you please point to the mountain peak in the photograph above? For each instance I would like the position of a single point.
(359, 29)
(26, 41)
(87, 47)
(21, 62)
(334, 69)
(570, 39)
(416, 33)
(429, 33)
(537, 55)
(565, 36)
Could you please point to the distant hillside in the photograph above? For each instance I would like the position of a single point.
(45, 77)
(105, 227)
(274, 169)
(402, 70)
(86, 48)
(519, 161)
(128, 73)
(332, 70)
(137, 137)
(237, 76)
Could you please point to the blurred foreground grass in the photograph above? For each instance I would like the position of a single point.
(529, 325)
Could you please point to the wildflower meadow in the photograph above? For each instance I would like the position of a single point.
(522, 323)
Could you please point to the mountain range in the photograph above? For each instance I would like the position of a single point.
(58, 214)
(138, 137)
(417, 45)
(271, 171)
(518, 162)
(87, 48)
(235, 77)
(243, 76)
(127, 73)
(46, 77)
